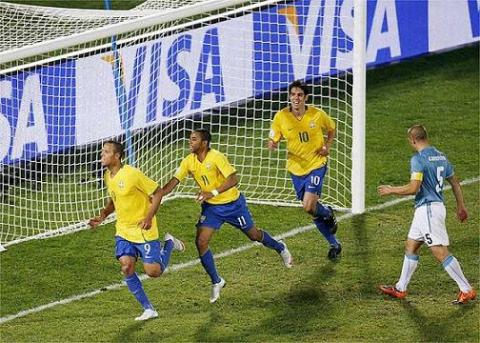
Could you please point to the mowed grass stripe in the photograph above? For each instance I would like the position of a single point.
(180, 266)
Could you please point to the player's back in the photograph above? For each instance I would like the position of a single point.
(435, 168)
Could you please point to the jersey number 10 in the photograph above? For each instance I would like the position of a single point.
(303, 136)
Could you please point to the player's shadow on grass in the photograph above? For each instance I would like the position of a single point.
(436, 328)
(130, 333)
(360, 252)
(205, 332)
(290, 313)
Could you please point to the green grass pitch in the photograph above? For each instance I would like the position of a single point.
(317, 300)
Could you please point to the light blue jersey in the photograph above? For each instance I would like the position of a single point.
(431, 167)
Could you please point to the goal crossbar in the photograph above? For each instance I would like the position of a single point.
(115, 29)
(119, 29)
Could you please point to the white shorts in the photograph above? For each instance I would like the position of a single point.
(428, 225)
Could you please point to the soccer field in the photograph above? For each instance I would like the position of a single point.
(317, 300)
(70, 288)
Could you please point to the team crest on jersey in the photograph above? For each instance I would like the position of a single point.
(121, 184)
(312, 124)
(208, 165)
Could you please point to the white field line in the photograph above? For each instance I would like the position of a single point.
(191, 263)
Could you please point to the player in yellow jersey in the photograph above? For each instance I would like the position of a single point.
(303, 127)
(221, 202)
(135, 198)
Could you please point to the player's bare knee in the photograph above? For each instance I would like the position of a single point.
(309, 208)
(440, 252)
(202, 244)
(128, 269)
(412, 247)
(154, 273)
(255, 234)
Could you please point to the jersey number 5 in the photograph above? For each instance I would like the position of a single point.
(440, 179)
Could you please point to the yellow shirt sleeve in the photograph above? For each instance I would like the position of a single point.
(182, 171)
(224, 166)
(275, 129)
(145, 184)
(327, 122)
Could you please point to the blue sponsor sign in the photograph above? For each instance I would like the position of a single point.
(49, 109)
(39, 106)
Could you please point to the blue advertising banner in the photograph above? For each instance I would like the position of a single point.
(51, 108)
(37, 112)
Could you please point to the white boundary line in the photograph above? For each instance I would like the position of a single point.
(191, 263)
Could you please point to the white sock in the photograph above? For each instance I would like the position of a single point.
(452, 267)
(410, 263)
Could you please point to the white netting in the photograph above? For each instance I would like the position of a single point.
(165, 4)
(24, 25)
(226, 70)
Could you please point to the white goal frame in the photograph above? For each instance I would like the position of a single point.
(358, 71)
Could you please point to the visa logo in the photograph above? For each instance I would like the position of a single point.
(190, 85)
(170, 77)
(312, 38)
(37, 112)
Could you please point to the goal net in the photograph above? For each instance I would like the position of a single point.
(148, 77)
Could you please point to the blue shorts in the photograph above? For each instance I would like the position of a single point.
(311, 182)
(149, 251)
(235, 213)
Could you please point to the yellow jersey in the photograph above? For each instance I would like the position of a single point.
(130, 191)
(304, 137)
(209, 175)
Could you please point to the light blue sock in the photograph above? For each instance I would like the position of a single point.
(271, 243)
(135, 287)
(165, 253)
(209, 265)
(325, 231)
(321, 211)
(453, 268)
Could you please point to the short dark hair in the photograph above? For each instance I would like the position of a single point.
(205, 135)
(117, 147)
(299, 84)
(418, 132)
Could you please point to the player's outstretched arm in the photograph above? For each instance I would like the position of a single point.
(410, 188)
(156, 199)
(109, 208)
(169, 187)
(271, 145)
(462, 213)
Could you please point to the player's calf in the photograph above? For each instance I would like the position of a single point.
(331, 221)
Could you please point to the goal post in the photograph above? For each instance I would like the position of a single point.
(358, 107)
(222, 65)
